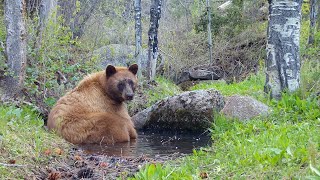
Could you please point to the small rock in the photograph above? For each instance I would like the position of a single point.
(243, 107)
(85, 173)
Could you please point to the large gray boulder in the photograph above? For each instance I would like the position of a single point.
(190, 111)
(203, 72)
(243, 107)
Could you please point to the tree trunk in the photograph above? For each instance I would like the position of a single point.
(47, 7)
(313, 16)
(46, 11)
(155, 14)
(209, 31)
(16, 46)
(82, 16)
(283, 56)
(138, 34)
(317, 15)
(67, 9)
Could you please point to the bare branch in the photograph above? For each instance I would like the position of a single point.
(12, 165)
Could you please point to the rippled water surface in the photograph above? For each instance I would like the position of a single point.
(152, 144)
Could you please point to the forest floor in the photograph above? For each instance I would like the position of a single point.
(78, 164)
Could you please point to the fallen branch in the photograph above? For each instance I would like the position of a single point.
(61, 76)
(12, 165)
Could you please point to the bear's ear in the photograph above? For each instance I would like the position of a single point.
(111, 70)
(133, 68)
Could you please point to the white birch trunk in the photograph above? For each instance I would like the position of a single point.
(313, 16)
(47, 8)
(209, 31)
(283, 56)
(47, 11)
(317, 14)
(16, 46)
(138, 34)
(155, 14)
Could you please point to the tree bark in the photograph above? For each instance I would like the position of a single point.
(47, 7)
(313, 16)
(283, 56)
(155, 14)
(81, 17)
(67, 10)
(16, 46)
(138, 34)
(46, 11)
(209, 31)
(317, 14)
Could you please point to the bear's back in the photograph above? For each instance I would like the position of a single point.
(87, 97)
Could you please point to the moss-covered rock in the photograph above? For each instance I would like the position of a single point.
(191, 111)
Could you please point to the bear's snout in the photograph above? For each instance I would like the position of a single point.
(129, 96)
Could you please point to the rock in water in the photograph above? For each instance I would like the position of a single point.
(243, 107)
(190, 111)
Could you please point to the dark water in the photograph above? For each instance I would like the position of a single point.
(152, 144)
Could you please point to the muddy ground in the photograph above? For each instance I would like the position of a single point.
(80, 165)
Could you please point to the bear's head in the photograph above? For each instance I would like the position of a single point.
(121, 82)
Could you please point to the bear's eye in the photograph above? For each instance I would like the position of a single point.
(121, 86)
(130, 82)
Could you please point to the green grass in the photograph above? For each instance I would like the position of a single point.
(23, 140)
(163, 89)
(252, 86)
(284, 145)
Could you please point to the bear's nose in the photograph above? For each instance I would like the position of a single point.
(129, 96)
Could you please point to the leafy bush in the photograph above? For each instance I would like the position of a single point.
(55, 64)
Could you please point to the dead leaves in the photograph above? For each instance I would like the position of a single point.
(11, 161)
(203, 175)
(56, 151)
(54, 176)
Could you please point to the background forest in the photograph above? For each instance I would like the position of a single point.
(78, 37)
(68, 39)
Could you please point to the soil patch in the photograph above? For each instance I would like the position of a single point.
(80, 165)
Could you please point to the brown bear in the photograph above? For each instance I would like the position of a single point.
(94, 111)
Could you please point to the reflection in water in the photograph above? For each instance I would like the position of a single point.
(151, 144)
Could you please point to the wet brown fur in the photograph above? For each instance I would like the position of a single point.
(93, 112)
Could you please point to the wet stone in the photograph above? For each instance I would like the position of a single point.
(85, 173)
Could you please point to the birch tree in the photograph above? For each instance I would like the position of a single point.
(16, 46)
(138, 34)
(209, 31)
(155, 14)
(46, 11)
(313, 17)
(283, 56)
(318, 16)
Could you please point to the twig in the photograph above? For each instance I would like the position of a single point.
(4, 49)
(12, 165)
(61, 76)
